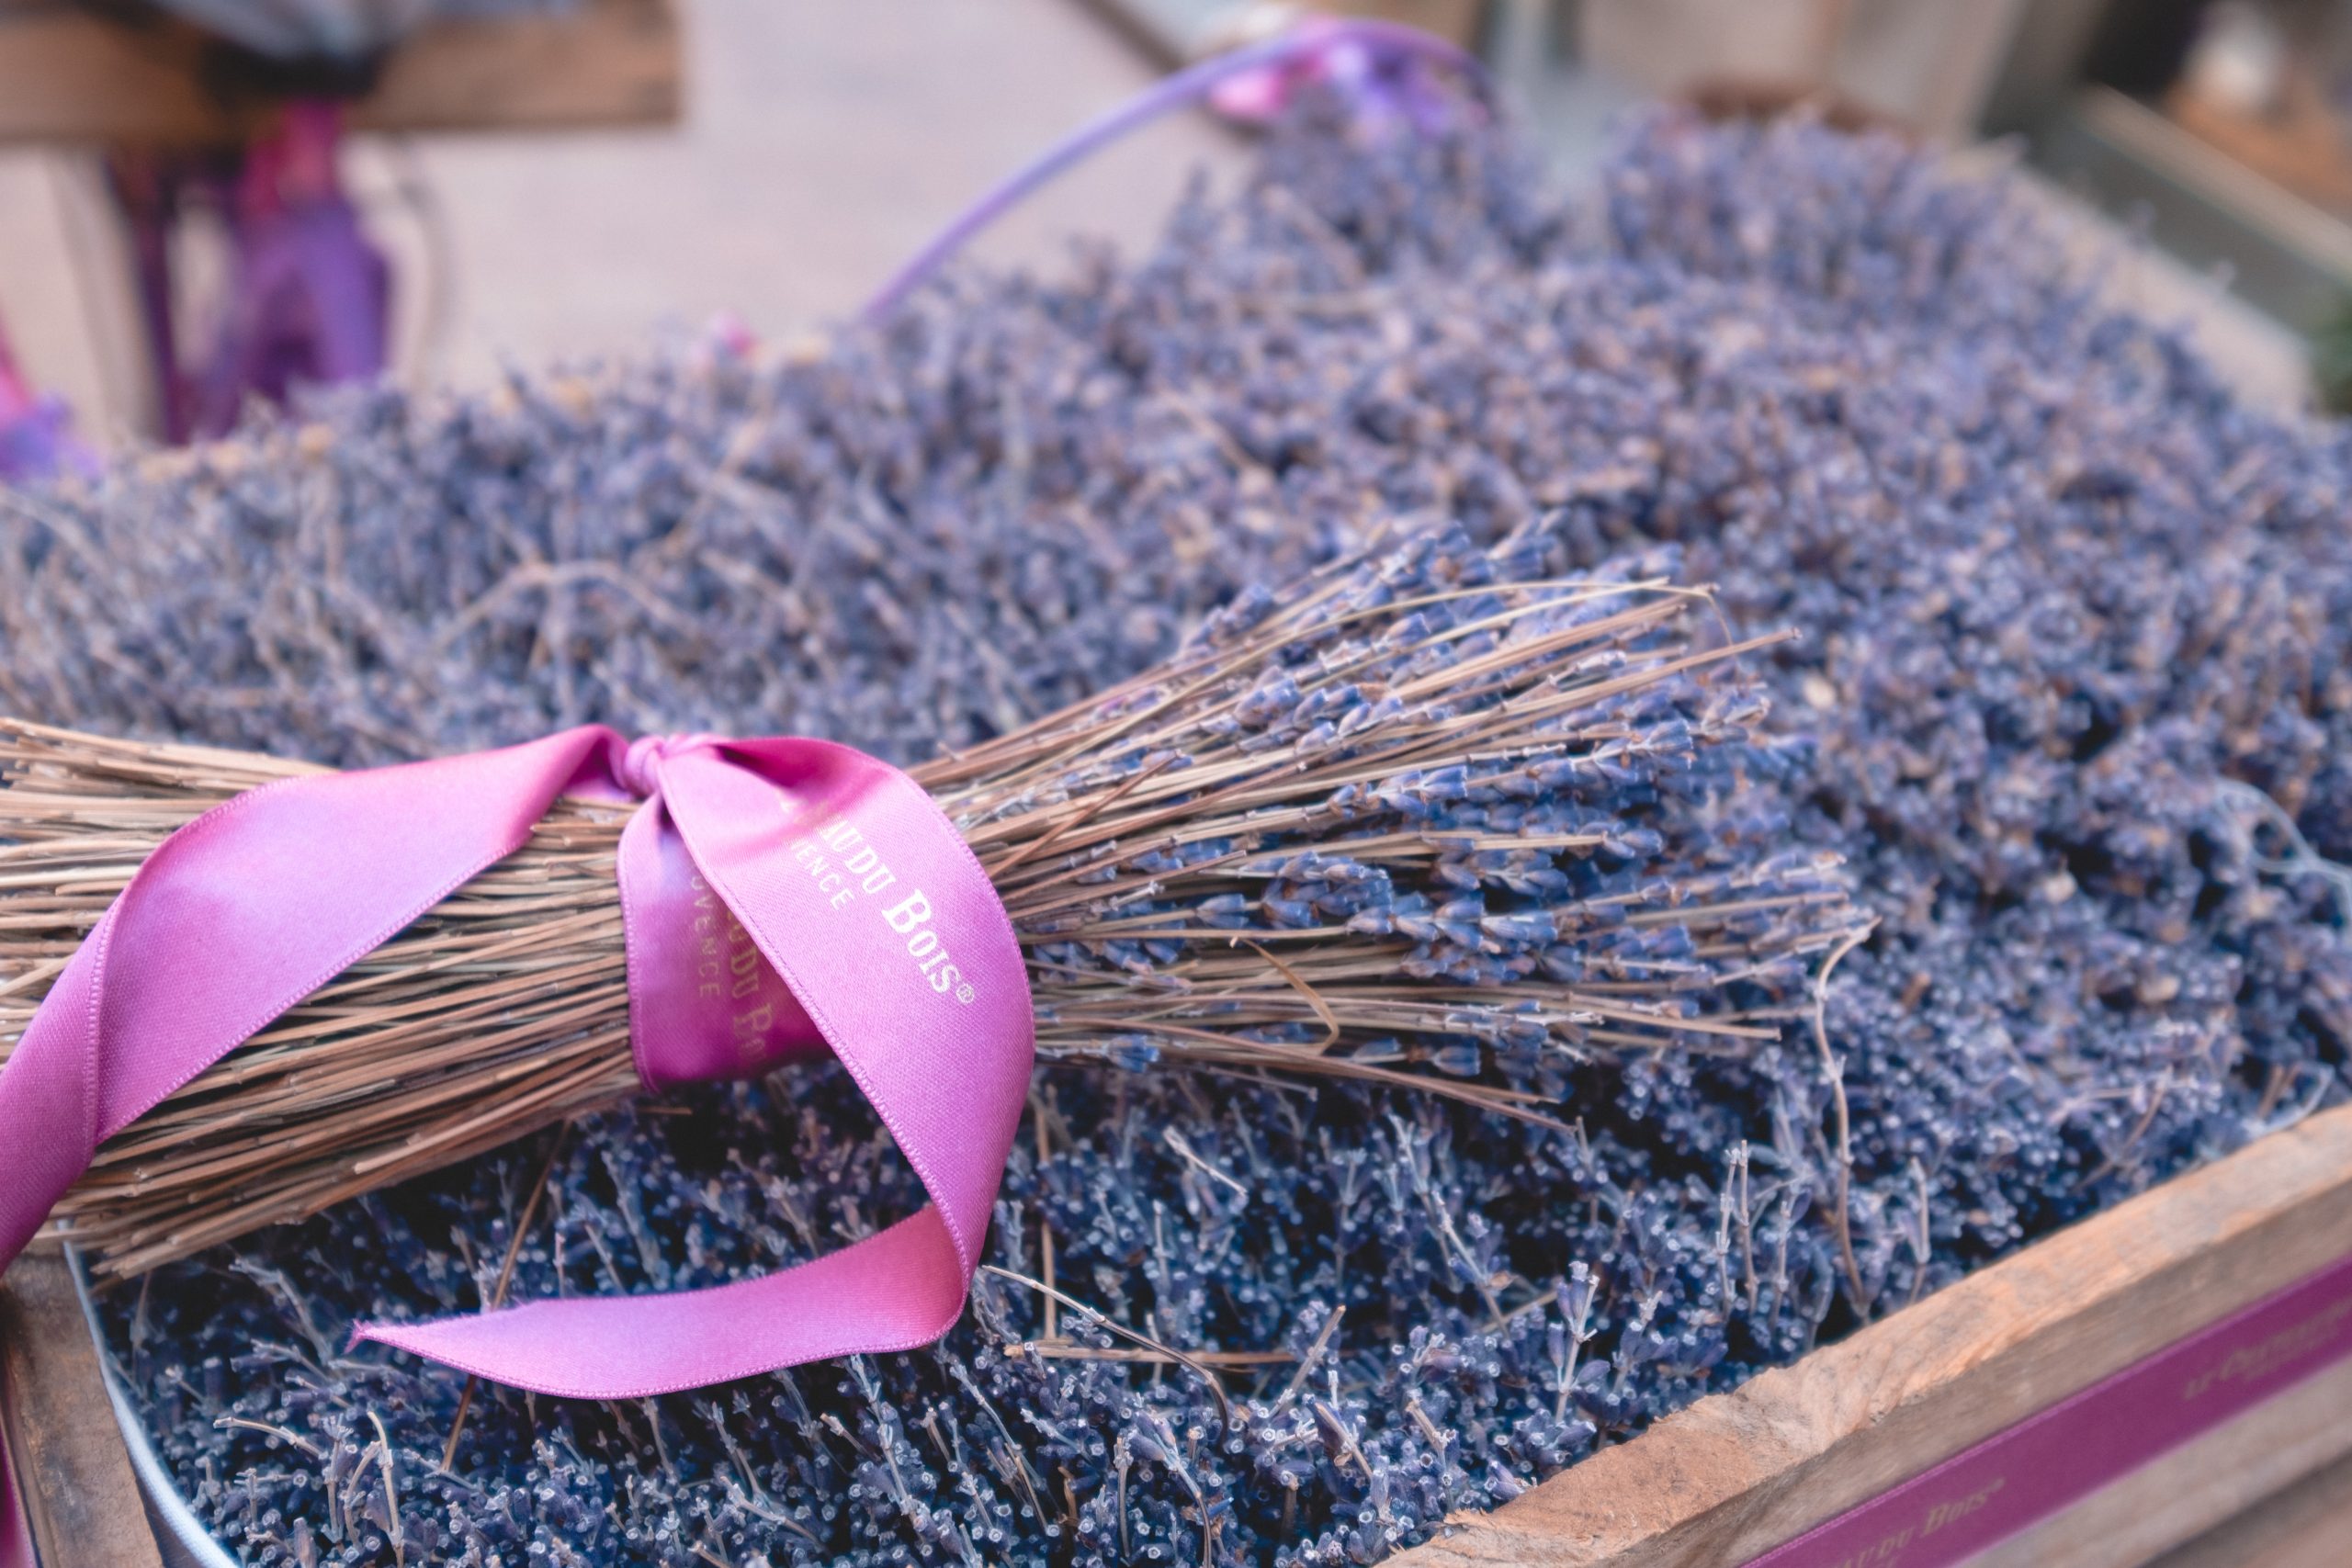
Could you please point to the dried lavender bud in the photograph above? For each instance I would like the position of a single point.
(2066, 602)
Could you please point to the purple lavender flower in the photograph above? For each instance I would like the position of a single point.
(2070, 606)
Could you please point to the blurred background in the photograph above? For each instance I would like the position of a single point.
(203, 202)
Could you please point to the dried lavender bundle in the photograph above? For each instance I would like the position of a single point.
(1427, 808)
(2067, 601)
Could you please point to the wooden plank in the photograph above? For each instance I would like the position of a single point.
(2201, 1484)
(1737, 1473)
(1175, 32)
(78, 1485)
(65, 76)
(2309, 1525)
(615, 62)
(1459, 22)
(69, 76)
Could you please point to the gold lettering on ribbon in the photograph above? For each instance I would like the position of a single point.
(728, 970)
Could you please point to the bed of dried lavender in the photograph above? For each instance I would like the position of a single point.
(2059, 586)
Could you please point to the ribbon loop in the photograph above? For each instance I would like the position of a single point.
(778, 898)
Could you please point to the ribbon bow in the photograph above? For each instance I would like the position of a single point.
(778, 898)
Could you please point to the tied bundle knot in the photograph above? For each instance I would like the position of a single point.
(733, 955)
(640, 772)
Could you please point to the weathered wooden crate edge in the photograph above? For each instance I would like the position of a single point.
(1737, 1473)
(73, 1465)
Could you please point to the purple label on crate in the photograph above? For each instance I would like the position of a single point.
(2049, 1461)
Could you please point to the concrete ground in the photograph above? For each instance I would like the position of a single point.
(823, 141)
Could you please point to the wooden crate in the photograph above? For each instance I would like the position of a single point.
(1737, 1473)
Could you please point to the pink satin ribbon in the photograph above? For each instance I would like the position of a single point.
(779, 898)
